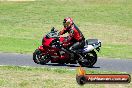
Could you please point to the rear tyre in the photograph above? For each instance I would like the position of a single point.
(39, 58)
(89, 60)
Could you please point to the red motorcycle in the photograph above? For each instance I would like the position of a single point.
(51, 50)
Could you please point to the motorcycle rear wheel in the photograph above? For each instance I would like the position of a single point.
(89, 60)
(39, 58)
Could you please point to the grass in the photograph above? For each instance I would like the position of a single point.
(23, 24)
(29, 77)
(18, 45)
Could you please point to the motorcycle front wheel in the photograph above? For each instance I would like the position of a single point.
(89, 59)
(39, 58)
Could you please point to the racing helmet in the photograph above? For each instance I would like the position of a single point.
(68, 21)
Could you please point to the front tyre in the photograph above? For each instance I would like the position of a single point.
(89, 60)
(39, 58)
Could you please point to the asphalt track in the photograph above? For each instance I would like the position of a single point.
(103, 64)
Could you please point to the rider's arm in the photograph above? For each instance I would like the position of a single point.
(63, 31)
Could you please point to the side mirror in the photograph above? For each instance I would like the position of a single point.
(53, 29)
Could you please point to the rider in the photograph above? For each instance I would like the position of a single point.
(75, 39)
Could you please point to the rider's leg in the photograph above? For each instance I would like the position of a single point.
(73, 48)
(76, 46)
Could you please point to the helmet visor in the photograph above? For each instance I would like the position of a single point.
(66, 24)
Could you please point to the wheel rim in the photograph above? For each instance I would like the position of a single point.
(90, 60)
(38, 57)
(42, 59)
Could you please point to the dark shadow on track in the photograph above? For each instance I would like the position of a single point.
(94, 67)
(67, 65)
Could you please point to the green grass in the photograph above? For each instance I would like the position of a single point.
(29, 77)
(18, 45)
(122, 51)
(23, 24)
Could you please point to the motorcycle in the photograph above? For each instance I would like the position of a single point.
(51, 50)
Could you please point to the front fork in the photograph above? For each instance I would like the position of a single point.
(45, 56)
(41, 48)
